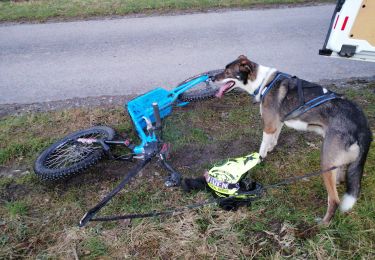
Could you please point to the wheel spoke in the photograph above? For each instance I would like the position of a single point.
(72, 152)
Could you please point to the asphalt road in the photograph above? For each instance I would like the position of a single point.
(56, 61)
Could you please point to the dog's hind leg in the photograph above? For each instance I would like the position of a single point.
(332, 145)
(340, 175)
(354, 175)
(333, 197)
(336, 153)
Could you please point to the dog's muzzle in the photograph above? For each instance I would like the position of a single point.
(225, 88)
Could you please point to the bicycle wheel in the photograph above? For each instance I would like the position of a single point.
(202, 91)
(67, 156)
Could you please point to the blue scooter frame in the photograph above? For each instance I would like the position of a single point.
(146, 112)
(142, 109)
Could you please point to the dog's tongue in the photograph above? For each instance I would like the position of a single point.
(224, 88)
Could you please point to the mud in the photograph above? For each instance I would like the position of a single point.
(14, 192)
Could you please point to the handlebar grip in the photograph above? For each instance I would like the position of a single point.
(155, 106)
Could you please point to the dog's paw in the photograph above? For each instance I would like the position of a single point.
(318, 220)
(321, 222)
(262, 154)
(271, 147)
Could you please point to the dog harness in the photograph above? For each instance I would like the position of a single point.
(303, 105)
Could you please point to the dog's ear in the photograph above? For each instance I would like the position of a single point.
(245, 66)
(242, 57)
(248, 67)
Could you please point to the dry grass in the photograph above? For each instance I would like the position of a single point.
(39, 220)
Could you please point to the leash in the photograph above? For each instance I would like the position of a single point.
(172, 212)
(298, 178)
(176, 211)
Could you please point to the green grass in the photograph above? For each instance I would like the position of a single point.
(41, 10)
(16, 208)
(95, 247)
(39, 220)
(19, 143)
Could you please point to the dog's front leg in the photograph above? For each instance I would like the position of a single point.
(271, 131)
(266, 144)
(276, 136)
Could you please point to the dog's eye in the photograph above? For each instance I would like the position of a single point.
(238, 77)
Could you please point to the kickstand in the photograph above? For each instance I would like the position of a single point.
(133, 172)
(174, 179)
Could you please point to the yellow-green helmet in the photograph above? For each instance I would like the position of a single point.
(225, 179)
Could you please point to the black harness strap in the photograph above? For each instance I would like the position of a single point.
(303, 106)
(301, 95)
(278, 77)
(310, 105)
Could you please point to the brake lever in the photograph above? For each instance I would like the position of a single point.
(106, 148)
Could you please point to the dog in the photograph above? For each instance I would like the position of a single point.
(342, 124)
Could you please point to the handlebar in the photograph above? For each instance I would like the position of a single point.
(192, 81)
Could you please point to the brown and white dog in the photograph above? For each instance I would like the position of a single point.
(342, 124)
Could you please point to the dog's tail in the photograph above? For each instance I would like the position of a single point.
(194, 184)
(355, 172)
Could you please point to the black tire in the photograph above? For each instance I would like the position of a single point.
(57, 162)
(203, 91)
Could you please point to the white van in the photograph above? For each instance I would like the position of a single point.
(351, 33)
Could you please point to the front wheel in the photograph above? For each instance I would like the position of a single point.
(68, 156)
(202, 91)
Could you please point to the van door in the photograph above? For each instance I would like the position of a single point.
(351, 33)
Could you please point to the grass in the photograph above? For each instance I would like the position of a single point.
(17, 208)
(95, 247)
(42, 10)
(39, 220)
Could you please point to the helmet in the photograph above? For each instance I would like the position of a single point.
(227, 179)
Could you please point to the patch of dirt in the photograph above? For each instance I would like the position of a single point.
(105, 173)
(196, 156)
(306, 231)
(282, 236)
(10, 172)
(14, 192)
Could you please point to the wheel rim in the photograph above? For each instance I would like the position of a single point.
(71, 152)
(203, 87)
